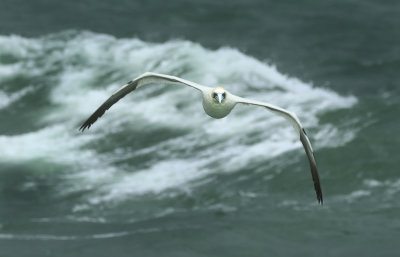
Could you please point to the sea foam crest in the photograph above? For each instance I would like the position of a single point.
(82, 69)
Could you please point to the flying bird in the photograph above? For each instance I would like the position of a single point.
(217, 103)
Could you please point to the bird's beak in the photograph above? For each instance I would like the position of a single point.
(219, 98)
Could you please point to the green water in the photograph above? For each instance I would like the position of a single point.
(155, 176)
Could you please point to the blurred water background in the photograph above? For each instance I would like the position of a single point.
(156, 176)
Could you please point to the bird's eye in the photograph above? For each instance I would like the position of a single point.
(215, 95)
(224, 94)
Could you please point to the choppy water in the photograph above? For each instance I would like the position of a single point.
(156, 176)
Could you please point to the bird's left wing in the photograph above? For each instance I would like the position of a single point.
(143, 79)
(303, 138)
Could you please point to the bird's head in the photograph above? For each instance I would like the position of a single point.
(219, 94)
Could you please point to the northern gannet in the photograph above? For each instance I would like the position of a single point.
(218, 103)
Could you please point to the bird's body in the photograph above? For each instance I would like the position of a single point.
(213, 107)
(217, 103)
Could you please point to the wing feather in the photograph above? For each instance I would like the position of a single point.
(303, 138)
(144, 79)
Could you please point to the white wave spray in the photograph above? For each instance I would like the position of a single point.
(86, 68)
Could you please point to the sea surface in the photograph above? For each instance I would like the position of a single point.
(156, 176)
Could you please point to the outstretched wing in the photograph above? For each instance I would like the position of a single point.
(143, 79)
(303, 138)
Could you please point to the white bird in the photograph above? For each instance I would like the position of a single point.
(218, 103)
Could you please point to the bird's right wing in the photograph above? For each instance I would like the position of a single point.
(143, 79)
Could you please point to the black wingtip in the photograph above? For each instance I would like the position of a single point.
(318, 191)
(84, 126)
(313, 166)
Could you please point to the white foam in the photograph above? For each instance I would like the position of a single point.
(39, 237)
(372, 183)
(53, 143)
(326, 132)
(9, 70)
(48, 237)
(165, 174)
(249, 134)
(354, 196)
(8, 99)
(17, 45)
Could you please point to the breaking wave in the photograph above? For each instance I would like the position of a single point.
(159, 137)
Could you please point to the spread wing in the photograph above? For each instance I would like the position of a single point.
(143, 79)
(303, 138)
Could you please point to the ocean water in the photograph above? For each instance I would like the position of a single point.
(155, 176)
